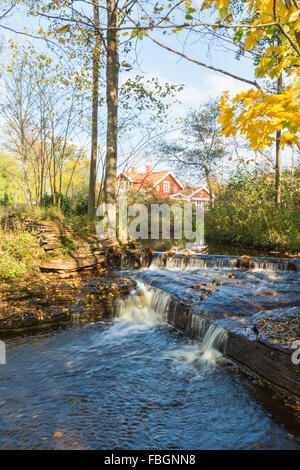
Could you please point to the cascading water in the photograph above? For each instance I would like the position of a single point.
(181, 263)
(144, 304)
(148, 306)
(213, 337)
(128, 381)
(214, 343)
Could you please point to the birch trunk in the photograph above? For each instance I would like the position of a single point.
(95, 103)
(112, 83)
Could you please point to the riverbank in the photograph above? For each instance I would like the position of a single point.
(53, 272)
(50, 300)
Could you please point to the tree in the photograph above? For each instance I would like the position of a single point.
(40, 118)
(17, 112)
(200, 146)
(273, 27)
(95, 108)
(112, 89)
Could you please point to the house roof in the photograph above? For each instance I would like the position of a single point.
(152, 178)
(190, 192)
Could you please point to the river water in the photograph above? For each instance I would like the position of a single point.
(132, 382)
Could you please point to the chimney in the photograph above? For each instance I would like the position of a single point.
(148, 169)
(133, 169)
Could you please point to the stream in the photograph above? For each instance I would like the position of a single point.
(133, 382)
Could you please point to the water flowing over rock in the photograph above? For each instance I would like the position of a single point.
(232, 307)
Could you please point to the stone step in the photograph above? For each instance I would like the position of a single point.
(75, 264)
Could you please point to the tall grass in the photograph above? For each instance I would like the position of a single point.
(245, 214)
(19, 254)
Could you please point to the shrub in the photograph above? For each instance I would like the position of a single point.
(19, 252)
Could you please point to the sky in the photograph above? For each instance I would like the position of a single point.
(200, 84)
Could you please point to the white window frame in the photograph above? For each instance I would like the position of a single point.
(166, 186)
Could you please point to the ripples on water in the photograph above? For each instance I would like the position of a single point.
(131, 383)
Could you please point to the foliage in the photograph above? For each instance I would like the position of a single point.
(244, 213)
(273, 29)
(200, 147)
(258, 115)
(19, 252)
(84, 226)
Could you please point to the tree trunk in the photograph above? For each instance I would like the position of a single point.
(292, 174)
(112, 83)
(278, 156)
(26, 180)
(209, 188)
(95, 103)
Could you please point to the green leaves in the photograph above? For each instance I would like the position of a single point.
(64, 29)
(223, 12)
(140, 33)
(190, 10)
(237, 36)
(286, 28)
(270, 32)
(177, 30)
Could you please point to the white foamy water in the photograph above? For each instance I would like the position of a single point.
(213, 343)
(182, 263)
(209, 350)
(147, 306)
(144, 305)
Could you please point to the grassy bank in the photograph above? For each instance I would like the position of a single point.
(20, 248)
(270, 229)
(245, 214)
(20, 254)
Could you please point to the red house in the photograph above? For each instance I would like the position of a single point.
(162, 181)
(199, 194)
(165, 183)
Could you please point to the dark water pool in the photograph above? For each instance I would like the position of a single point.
(133, 383)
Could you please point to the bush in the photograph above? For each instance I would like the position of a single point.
(64, 201)
(19, 252)
(245, 214)
(81, 207)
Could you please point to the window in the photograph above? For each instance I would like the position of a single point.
(166, 186)
(174, 189)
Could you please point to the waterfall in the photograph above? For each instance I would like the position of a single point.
(145, 304)
(199, 261)
(214, 343)
(213, 337)
(148, 306)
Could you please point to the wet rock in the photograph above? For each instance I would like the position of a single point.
(76, 264)
(294, 265)
(245, 262)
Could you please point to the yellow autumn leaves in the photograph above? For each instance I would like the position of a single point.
(257, 116)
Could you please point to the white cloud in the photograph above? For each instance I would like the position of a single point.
(212, 87)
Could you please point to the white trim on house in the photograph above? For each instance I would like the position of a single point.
(200, 189)
(163, 177)
(174, 196)
(130, 180)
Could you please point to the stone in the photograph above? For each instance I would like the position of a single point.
(76, 264)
